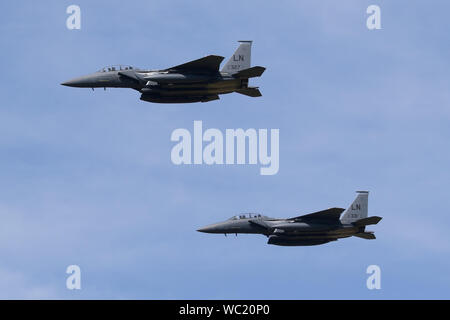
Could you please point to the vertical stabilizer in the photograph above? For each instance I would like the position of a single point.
(240, 60)
(358, 209)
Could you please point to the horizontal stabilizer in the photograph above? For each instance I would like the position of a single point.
(365, 235)
(367, 221)
(250, 72)
(251, 92)
(331, 215)
(209, 64)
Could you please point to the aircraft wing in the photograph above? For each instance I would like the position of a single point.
(209, 64)
(331, 215)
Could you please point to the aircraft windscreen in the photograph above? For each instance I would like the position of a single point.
(116, 68)
(246, 216)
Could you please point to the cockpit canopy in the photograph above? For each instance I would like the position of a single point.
(117, 68)
(247, 216)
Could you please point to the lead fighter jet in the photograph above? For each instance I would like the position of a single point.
(195, 81)
(307, 230)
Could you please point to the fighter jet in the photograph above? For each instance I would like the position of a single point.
(307, 230)
(195, 81)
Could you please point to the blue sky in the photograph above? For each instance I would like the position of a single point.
(86, 177)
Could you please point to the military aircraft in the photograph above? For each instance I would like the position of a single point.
(307, 230)
(195, 81)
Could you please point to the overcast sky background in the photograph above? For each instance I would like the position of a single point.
(86, 177)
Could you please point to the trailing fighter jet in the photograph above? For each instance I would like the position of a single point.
(307, 230)
(195, 81)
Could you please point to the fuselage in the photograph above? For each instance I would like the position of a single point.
(162, 85)
(285, 232)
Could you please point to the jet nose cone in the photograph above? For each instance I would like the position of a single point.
(81, 82)
(214, 228)
(206, 229)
